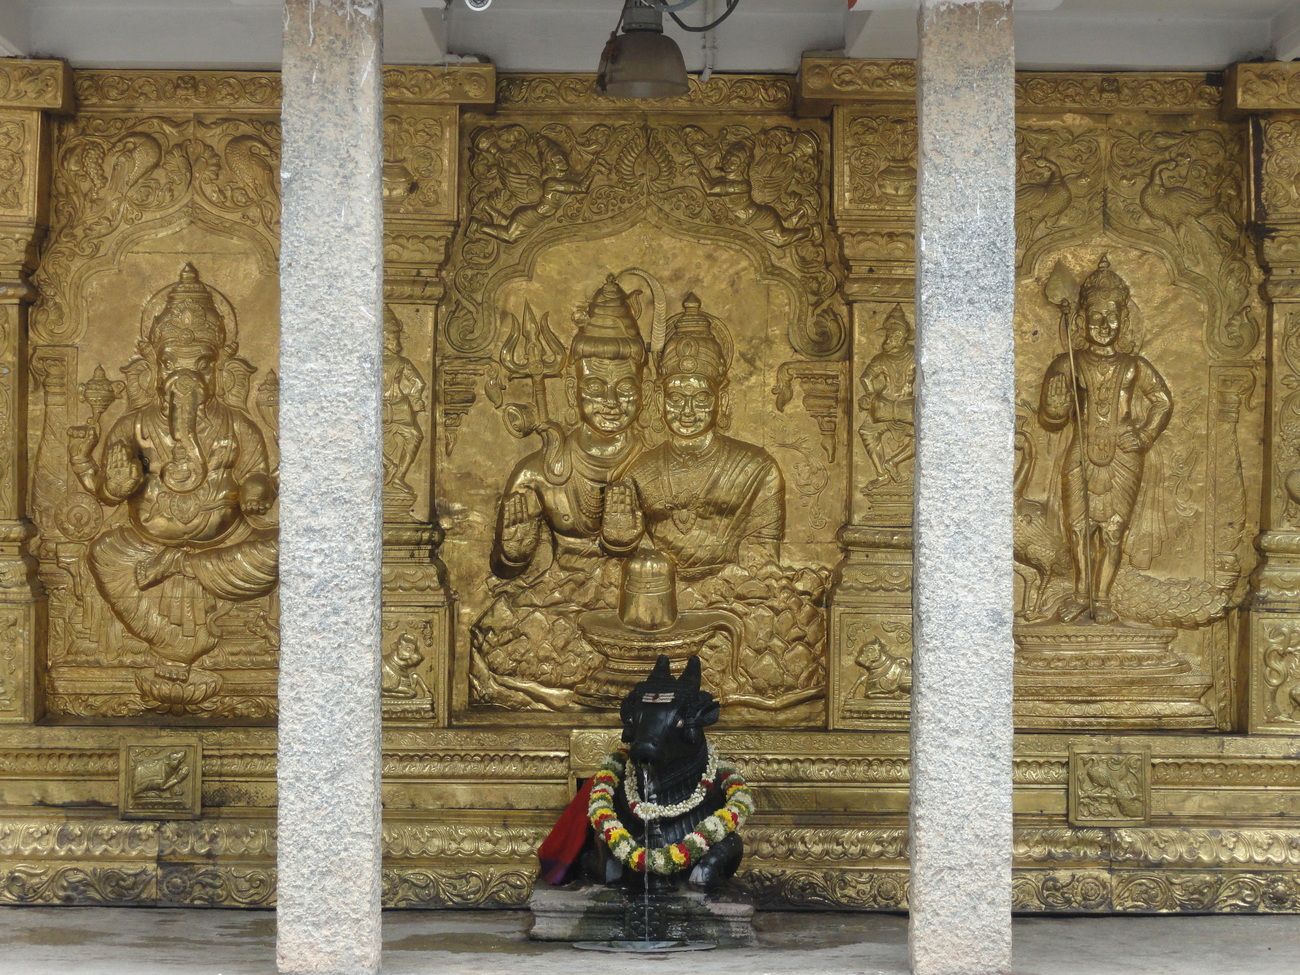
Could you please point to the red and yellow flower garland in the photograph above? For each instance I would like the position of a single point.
(675, 857)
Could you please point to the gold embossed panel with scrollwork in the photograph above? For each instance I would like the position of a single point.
(635, 232)
(1139, 288)
(152, 428)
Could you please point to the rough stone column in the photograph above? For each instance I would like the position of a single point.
(331, 489)
(960, 894)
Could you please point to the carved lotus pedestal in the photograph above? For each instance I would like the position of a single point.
(1105, 677)
(591, 913)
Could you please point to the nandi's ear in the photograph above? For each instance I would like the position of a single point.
(701, 712)
(690, 679)
(626, 712)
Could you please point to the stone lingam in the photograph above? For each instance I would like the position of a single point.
(646, 625)
(653, 837)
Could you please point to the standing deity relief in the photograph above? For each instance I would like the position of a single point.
(177, 492)
(404, 400)
(1084, 546)
(640, 468)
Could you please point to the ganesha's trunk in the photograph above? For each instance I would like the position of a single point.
(186, 469)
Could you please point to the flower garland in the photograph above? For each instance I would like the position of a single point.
(675, 857)
(648, 812)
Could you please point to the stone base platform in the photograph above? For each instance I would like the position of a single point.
(1105, 677)
(595, 913)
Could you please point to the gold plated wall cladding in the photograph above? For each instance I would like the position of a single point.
(1141, 371)
(624, 296)
(739, 396)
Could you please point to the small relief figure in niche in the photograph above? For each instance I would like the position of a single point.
(537, 178)
(740, 189)
(715, 506)
(162, 775)
(399, 673)
(191, 470)
(884, 673)
(526, 649)
(404, 392)
(888, 382)
(1116, 405)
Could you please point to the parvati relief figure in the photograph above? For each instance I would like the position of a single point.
(715, 505)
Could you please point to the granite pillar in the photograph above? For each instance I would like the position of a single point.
(331, 489)
(960, 896)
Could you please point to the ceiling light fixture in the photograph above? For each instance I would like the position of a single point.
(638, 60)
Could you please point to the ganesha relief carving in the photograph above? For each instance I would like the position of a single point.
(616, 481)
(156, 522)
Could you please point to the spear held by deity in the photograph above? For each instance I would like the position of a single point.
(1060, 289)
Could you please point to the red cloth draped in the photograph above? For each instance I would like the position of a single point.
(559, 852)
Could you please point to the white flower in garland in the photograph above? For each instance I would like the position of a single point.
(649, 812)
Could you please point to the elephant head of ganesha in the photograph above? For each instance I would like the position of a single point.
(186, 340)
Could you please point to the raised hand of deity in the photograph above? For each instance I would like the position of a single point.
(521, 526)
(621, 522)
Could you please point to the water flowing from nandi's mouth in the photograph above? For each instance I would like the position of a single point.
(647, 796)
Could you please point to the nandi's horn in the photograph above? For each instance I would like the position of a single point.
(662, 668)
(691, 674)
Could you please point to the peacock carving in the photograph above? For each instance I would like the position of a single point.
(1040, 201)
(1039, 545)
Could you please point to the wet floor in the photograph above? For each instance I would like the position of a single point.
(138, 941)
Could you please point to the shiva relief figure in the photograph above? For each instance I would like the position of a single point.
(1116, 405)
(404, 391)
(715, 506)
(190, 470)
(547, 555)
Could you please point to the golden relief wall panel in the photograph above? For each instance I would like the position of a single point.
(1132, 247)
(153, 421)
(695, 240)
(759, 232)
(1112, 205)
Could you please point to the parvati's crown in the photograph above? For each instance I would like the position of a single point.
(189, 315)
(691, 347)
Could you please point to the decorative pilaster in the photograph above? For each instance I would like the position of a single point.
(28, 91)
(961, 730)
(874, 173)
(1270, 94)
(331, 316)
(421, 203)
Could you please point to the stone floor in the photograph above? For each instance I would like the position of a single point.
(124, 941)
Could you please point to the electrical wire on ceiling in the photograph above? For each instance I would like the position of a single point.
(672, 9)
(672, 12)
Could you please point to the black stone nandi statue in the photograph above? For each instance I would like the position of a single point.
(656, 829)
(664, 807)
